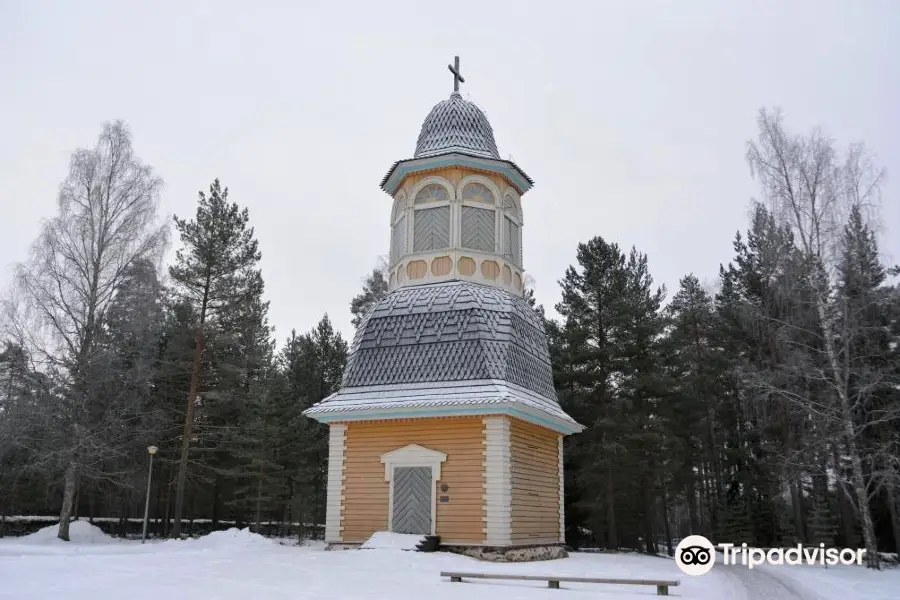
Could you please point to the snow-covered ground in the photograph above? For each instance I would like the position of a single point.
(238, 565)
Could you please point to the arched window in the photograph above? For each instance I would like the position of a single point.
(431, 219)
(478, 192)
(512, 231)
(478, 231)
(433, 192)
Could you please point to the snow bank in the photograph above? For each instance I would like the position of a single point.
(839, 582)
(80, 532)
(237, 565)
(231, 538)
(392, 541)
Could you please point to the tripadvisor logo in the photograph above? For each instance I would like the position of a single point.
(696, 555)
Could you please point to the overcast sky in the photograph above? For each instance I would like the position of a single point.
(631, 116)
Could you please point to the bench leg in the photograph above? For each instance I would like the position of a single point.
(553, 584)
(662, 590)
(456, 579)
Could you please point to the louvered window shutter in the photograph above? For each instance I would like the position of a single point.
(398, 240)
(478, 229)
(431, 229)
(513, 246)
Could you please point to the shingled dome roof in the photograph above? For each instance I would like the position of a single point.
(459, 347)
(456, 125)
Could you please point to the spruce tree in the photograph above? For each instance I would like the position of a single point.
(822, 524)
(313, 366)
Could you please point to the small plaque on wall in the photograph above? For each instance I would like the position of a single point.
(445, 498)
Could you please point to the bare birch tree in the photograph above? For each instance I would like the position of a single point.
(107, 221)
(810, 189)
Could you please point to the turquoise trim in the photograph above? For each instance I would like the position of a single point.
(447, 412)
(403, 169)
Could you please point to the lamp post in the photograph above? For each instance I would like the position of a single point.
(152, 451)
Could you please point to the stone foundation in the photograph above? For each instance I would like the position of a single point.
(343, 546)
(510, 554)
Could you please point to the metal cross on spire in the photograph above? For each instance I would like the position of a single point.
(457, 76)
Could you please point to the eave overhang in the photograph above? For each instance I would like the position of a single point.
(510, 170)
(450, 399)
(510, 409)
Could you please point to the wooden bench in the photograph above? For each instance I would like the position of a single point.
(662, 587)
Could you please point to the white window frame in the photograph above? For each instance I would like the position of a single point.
(399, 210)
(404, 248)
(498, 204)
(411, 223)
(514, 215)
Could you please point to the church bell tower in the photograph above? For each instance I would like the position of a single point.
(447, 423)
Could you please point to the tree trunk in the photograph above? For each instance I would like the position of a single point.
(613, 539)
(846, 414)
(259, 492)
(215, 504)
(649, 512)
(159, 502)
(714, 456)
(708, 509)
(845, 506)
(862, 496)
(895, 517)
(665, 514)
(77, 502)
(65, 515)
(796, 504)
(168, 507)
(692, 496)
(188, 430)
(286, 513)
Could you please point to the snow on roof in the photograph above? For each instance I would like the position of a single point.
(449, 399)
(448, 349)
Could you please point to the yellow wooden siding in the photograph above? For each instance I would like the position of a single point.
(454, 175)
(534, 465)
(366, 492)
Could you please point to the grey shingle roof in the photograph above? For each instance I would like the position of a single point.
(456, 125)
(453, 343)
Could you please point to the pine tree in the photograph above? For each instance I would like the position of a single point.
(375, 287)
(240, 414)
(697, 368)
(760, 315)
(214, 271)
(605, 360)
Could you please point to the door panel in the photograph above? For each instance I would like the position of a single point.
(413, 489)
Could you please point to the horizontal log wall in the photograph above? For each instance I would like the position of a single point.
(535, 484)
(366, 492)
